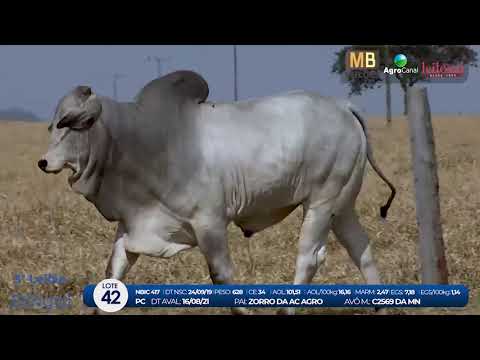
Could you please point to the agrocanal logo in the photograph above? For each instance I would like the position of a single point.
(400, 61)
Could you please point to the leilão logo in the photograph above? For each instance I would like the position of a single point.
(440, 71)
(400, 60)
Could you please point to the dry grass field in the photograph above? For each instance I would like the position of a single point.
(46, 228)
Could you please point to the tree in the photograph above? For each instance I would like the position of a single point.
(416, 54)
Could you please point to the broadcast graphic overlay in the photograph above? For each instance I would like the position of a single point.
(368, 66)
(111, 295)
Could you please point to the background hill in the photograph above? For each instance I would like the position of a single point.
(17, 113)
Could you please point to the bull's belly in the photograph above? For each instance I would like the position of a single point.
(254, 211)
(258, 221)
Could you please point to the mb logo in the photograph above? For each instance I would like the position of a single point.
(362, 59)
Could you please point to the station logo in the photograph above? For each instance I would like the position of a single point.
(362, 60)
(400, 60)
(362, 65)
(401, 66)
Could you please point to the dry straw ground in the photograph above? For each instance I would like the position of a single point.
(46, 228)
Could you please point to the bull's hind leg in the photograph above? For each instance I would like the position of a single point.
(312, 251)
(352, 236)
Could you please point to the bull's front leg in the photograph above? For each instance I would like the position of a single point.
(120, 260)
(211, 235)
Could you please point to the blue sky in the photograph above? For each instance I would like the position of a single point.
(35, 77)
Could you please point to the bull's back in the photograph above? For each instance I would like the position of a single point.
(269, 151)
(286, 122)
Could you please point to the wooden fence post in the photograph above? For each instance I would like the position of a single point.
(431, 247)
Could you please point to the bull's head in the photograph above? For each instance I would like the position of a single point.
(76, 113)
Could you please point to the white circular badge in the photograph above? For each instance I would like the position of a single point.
(110, 295)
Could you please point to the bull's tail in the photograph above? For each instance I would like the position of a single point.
(383, 209)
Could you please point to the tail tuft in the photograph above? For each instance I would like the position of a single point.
(247, 233)
(383, 211)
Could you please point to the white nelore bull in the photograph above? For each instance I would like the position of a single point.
(174, 170)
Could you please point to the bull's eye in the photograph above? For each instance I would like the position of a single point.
(50, 127)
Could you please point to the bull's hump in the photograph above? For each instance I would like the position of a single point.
(182, 84)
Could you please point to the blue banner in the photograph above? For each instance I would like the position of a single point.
(149, 295)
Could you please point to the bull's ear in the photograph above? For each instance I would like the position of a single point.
(83, 92)
(84, 116)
